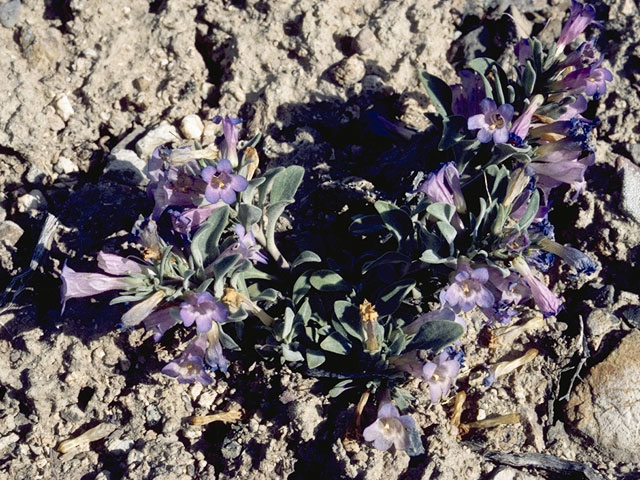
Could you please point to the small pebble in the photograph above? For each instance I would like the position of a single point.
(65, 165)
(160, 135)
(192, 127)
(9, 13)
(34, 200)
(348, 72)
(35, 175)
(63, 107)
(364, 41)
(124, 166)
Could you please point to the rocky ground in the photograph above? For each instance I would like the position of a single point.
(86, 85)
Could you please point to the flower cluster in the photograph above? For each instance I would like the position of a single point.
(207, 259)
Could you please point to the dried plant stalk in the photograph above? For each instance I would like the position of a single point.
(227, 417)
(81, 442)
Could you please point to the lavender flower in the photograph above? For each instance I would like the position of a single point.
(572, 256)
(245, 246)
(580, 16)
(574, 109)
(390, 428)
(80, 284)
(118, 265)
(444, 186)
(562, 166)
(214, 356)
(439, 375)
(228, 148)
(222, 183)
(189, 367)
(592, 80)
(469, 290)
(520, 127)
(546, 301)
(523, 51)
(188, 220)
(493, 122)
(203, 310)
(466, 96)
(161, 321)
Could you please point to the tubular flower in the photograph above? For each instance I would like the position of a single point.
(189, 367)
(467, 95)
(228, 148)
(493, 122)
(222, 183)
(572, 256)
(245, 246)
(142, 309)
(80, 284)
(520, 127)
(469, 290)
(591, 80)
(161, 321)
(580, 17)
(117, 265)
(440, 375)
(546, 301)
(202, 309)
(390, 428)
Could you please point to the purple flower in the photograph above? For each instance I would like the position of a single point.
(469, 290)
(188, 220)
(585, 54)
(546, 301)
(245, 246)
(228, 148)
(572, 256)
(390, 428)
(580, 16)
(493, 122)
(80, 284)
(161, 321)
(439, 375)
(202, 309)
(214, 355)
(444, 186)
(189, 367)
(175, 187)
(222, 183)
(562, 166)
(574, 109)
(117, 265)
(520, 127)
(592, 80)
(466, 96)
(523, 51)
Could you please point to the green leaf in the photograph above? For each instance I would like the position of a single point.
(291, 355)
(248, 215)
(435, 335)
(392, 296)
(429, 256)
(336, 343)
(223, 265)
(366, 225)
(315, 358)
(328, 281)
(386, 259)
(268, 295)
(501, 218)
(529, 79)
(248, 194)
(397, 342)
(204, 245)
(530, 212)
(306, 257)
(301, 287)
(341, 387)
(286, 183)
(454, 129)
(441, 211)
(396, 219)
(265, 187)
(448, 232)
(439, 93)
(349, 317)
(274, 210)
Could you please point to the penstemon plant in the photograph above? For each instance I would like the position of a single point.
(472, 234)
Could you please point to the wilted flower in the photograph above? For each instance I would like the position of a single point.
(580, 17)
(572, 256)
(466, 96)
(546, 301)
(369, 321)
(222, 183)
(245, 246)
(469, 290)
(439, 375)
(80, 284)
(390, 428)
(228, 148)
(214, 356)
(189, 367)
(142, 309)
(202, 309)
(493, 122)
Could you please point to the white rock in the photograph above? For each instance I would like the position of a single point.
(192, 127)
(630, 197)
(163, 133)
(65, 165)
(35, 174)
(34, 200)
(8, 441)
(120, 445)
(10, 232)
(124, 166)
(64, 107)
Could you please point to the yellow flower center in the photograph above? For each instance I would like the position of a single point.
(216, 182)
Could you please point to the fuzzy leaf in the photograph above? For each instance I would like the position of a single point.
(204, 246)
(439, 93)
(448, 232)
(435, 335)
(529, 78)
(328, 281)
(386, 259)
(248, 215)
(454, 129)
(336, 343)
(430, 256)
(366, 225)
(349, 317)
(222, 266)
(291, 355)
(396, 219)
(306, 257)
(341, 387)
(265, 187)
(286, 184)
(392, 296)
(531, 211)
(441, 211)
(315, 358)
(301, 287)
